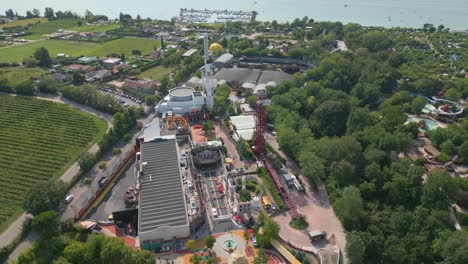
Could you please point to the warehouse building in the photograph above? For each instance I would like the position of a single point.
(251, 80)
(163, 208)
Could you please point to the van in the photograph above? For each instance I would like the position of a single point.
(315, 235)
(69, 198)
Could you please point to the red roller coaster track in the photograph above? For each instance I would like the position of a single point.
(260, 150)
(289, 203)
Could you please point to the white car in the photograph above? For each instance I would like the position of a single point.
(215, 212)
(69, 198)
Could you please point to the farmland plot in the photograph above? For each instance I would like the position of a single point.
(39, 141)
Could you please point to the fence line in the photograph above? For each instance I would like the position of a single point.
(113, 172)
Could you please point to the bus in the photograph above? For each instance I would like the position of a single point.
(266, 202)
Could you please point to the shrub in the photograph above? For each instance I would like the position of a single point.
(102, 165)
(268, 183)
(116, 151)
(420, 161)
(127, 137)
(299, 223)
(463, 218)
(87, 181)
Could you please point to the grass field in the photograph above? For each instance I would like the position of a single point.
(16, 75)
(94, 28)
(74, 48)
(156, 73)
(52, 26)
(25, 22)
(40, 139)
(68, 24)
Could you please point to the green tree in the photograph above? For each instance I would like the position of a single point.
(5, 86)
(134, 72)
(10, 13)
(312, 167)
(43, 57)
(418, 104)
(44, 197)
(142, 257)
(60, 260)
(114, 250)
(48, 85)
(78, 77)
(330, 118)
(30, 62)
(191, 244)
(261, 257)
(344, 173)
(150, 100)
(75, 252)
(195, 259)
(452, 94)
(79, 23)
(164, 85)
(210, 241)
(208, 127)
(439, 191)
(86, 161)
(46, 224)
(252, 100)
(456, 248)
(350, 208)
(393, 116)
(448, 147)
(270, 230)
(296, 53)
(463, 151)
(355, 248)
(49, 13)
(25, 88)
(26, 257)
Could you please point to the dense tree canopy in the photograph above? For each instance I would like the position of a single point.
(44, 197)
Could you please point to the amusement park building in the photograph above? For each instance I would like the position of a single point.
(181, 100)
(163, 208)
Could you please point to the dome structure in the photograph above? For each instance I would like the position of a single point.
(215, 47)
(181, 94)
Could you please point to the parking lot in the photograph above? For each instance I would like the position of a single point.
(114, 200)
(124, 99)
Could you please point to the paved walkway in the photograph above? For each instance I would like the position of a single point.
(13, 230)
(218, 246)
(24, 245)
(315, 205)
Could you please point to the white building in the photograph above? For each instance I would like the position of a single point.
(244, 126)
(181, 100)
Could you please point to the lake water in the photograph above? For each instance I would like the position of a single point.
(388, 13)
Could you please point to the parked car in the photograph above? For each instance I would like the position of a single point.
(69, 198)
(163, 249)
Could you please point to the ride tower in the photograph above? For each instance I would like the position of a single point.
(209, 83)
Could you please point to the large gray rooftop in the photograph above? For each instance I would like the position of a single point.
(162, 201)
(151, 130)
(255, 76)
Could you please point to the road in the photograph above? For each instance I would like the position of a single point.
(24, 245)
(114, 200)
